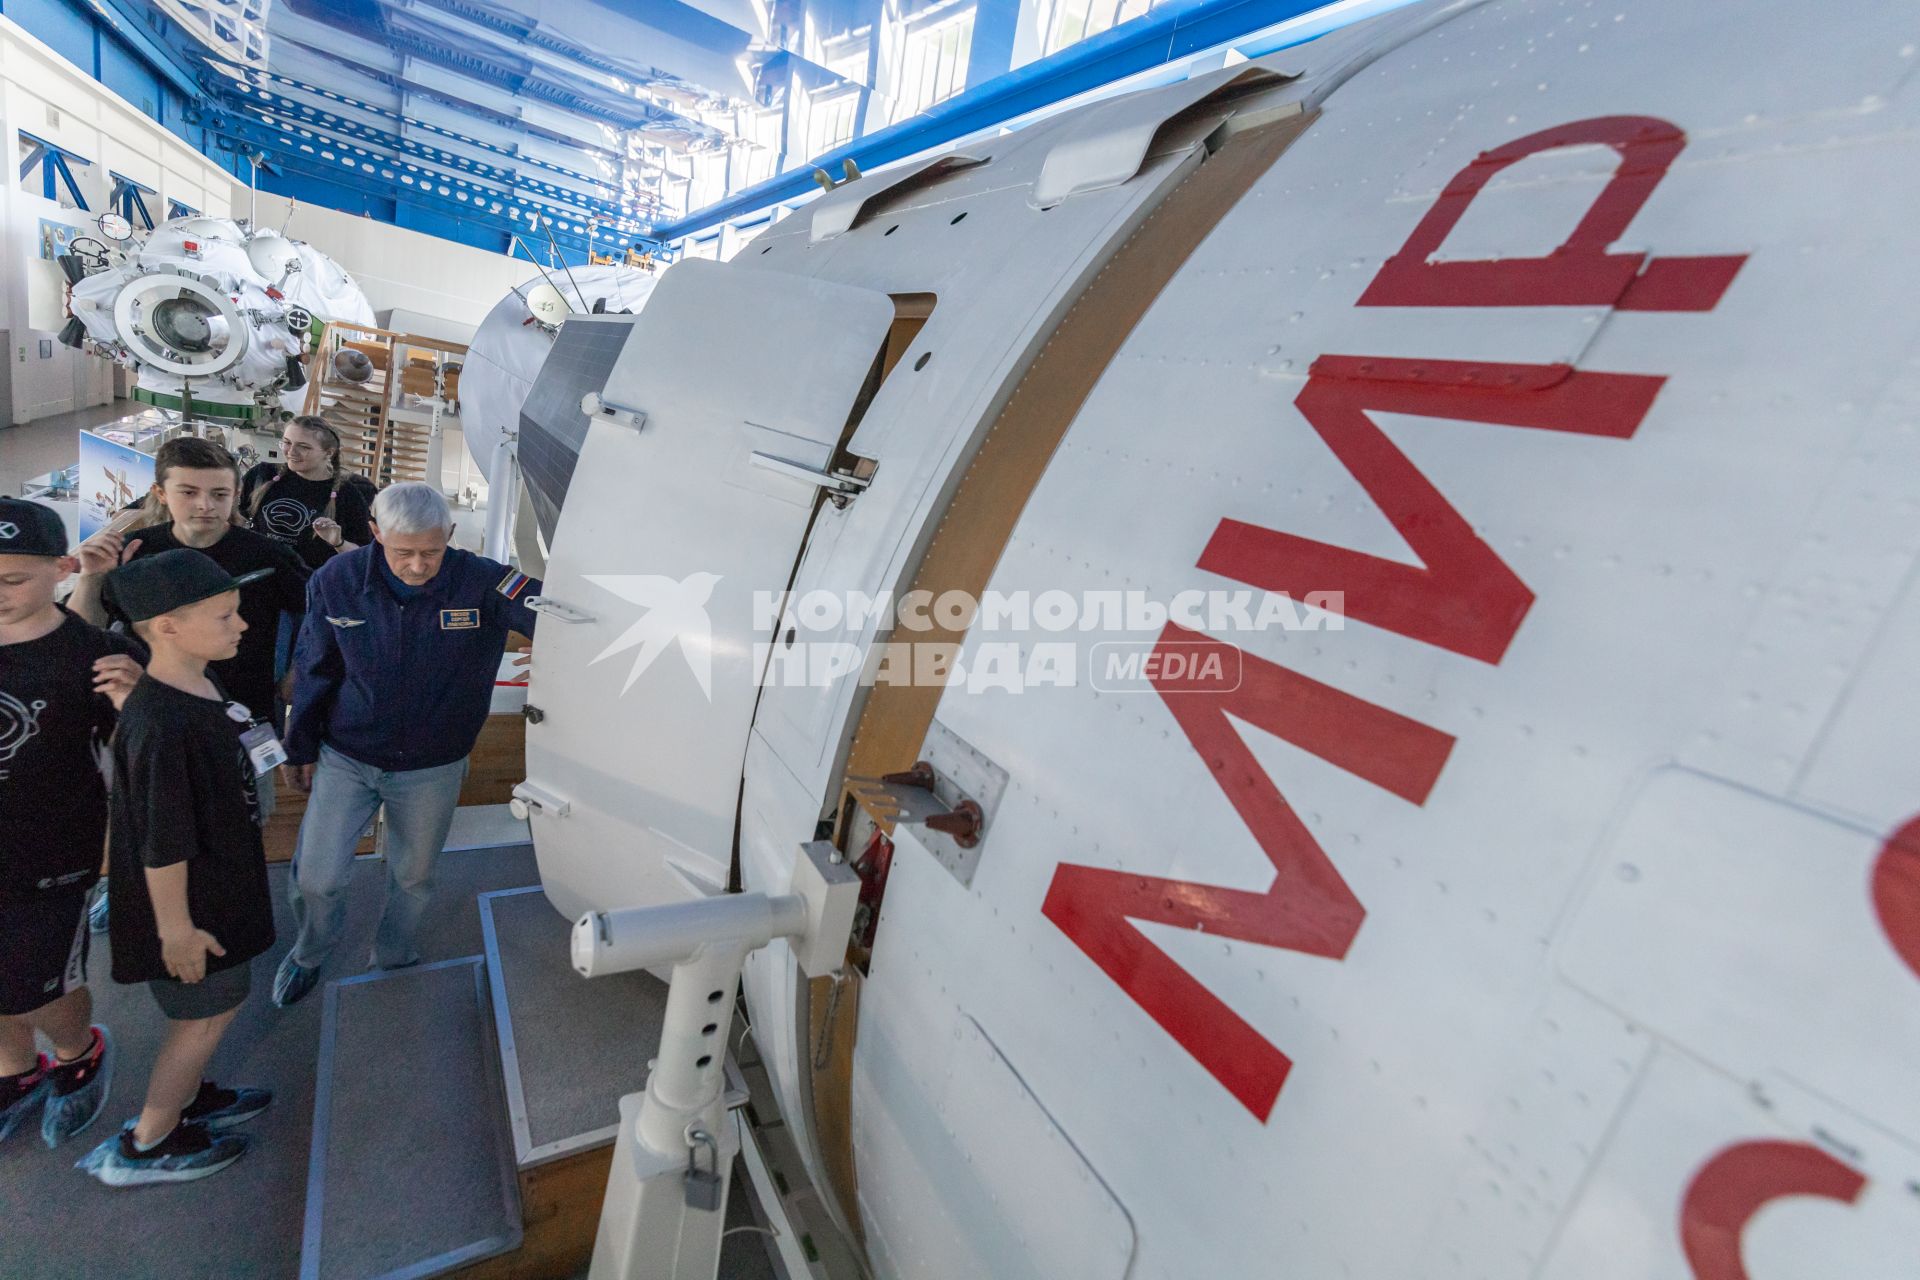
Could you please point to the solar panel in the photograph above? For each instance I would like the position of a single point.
(552, 428)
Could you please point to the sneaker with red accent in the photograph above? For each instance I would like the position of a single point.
(219, 1108)
(20, 1094)
(79, 1091)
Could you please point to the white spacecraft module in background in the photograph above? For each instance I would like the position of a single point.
(212, 312)
(504, 360)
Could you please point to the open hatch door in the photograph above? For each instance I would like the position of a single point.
(645, 670)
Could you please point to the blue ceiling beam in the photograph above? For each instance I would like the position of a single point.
(129, 21)
(285, 152)
(1174, 30)
(259, 79)
(327, 128)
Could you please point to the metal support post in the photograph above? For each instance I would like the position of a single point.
(673, 1160)
(503, 502)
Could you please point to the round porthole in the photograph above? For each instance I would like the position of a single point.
(921, 363)
(890, 230)
(958, 218)
(179, 325)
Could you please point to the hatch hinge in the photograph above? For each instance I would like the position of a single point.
(841, 488)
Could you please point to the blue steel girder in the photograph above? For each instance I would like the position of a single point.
(535, 35)
(126, 198)
(402, 86)
(258, 78)
(315, 125)
(176, 209)
(521, 78)
(402, 180)
(54, 173)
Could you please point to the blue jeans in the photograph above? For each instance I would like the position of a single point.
(346, 793)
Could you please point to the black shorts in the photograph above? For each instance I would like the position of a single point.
(210, 997)
(43, 949)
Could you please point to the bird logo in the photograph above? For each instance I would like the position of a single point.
(675, 611)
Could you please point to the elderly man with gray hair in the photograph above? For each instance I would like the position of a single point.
(393, 677)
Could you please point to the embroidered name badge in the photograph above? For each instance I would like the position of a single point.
(459, 619)
(511, 585)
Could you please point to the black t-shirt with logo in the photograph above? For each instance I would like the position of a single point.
(53, 749)
(248, 675)
(293, 503)
(185, 792)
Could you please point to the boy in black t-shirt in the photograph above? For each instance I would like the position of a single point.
(191, 908)
(55, 673)
(195, 482)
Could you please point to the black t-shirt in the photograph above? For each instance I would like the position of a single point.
(185, 792)
(292, 505)
(53, 747)
(248, 675)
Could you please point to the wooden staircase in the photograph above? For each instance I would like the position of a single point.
(388, 424)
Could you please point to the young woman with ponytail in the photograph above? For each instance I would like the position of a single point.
(308, 502)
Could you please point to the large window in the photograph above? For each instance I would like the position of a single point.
(830, 118)
(1068, 22)
(933, 61)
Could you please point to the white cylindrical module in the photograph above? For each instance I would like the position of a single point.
(607, 942)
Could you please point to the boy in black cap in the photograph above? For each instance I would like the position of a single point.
(55, 717)
(191, 908)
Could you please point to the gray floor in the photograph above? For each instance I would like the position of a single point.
(554, 1011)
(414, 1102)
(40, 446)
(58, 1224)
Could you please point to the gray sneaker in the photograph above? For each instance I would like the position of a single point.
(189, 1152)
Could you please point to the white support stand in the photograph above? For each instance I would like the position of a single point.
(503, 502)
(663, 1213)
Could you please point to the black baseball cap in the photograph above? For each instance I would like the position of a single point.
(157, 584)
(30, 529)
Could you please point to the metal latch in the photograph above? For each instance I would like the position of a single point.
(703, 1189)
(530, 798)
(594, 407)
(555, 609)
(841, 488)
(952, 792)
(910, 794)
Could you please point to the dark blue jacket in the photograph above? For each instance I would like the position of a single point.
(402, 685)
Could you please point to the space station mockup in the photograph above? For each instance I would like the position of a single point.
(1537, 898)
(1303, 672)
(215, 315)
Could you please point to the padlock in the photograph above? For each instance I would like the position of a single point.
(703, 1188)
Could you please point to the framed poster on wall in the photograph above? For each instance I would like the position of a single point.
(112, 476)
(54, 238)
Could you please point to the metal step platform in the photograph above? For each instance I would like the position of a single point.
(562, 1100)
(411, 1170)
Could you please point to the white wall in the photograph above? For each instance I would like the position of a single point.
(402, 271)
(51, 98)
